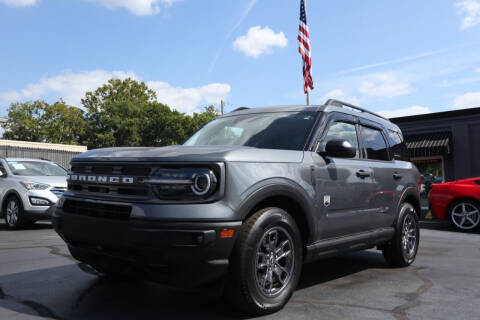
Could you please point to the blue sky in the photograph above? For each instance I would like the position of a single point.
(394, 57)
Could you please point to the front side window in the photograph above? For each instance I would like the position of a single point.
(342, 131)
(276, 130)
(36, 168)
(374, 144)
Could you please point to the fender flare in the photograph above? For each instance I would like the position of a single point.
(409, 191)
(289, 190)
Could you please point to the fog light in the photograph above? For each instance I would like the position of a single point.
(39, 201)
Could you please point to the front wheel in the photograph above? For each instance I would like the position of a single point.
(402, 249)
(14, 213)
(266, 263)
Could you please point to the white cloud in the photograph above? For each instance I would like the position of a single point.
(403, 112)
(137, 7)
(73, 86)
(477, 70)
(386, 85)
(68, 85)
(471, 10)
(467, 100)
(259, 40)
(189, 100)
(19, 3)
(339, 94)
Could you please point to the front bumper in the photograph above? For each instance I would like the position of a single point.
(186, 254)
(36, 212)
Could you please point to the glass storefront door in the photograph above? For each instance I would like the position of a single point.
(432, 172)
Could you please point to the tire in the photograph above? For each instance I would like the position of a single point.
(266, 263)
(464, 215)
(402, 249)
(13, 213)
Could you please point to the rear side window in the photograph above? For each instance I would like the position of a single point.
(477, 182)
(374, 144)
(398, 146)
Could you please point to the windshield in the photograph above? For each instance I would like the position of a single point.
(279, 130)
(36, 168)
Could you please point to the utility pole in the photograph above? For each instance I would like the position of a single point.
(222, 106)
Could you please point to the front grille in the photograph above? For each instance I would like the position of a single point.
(58, 191)
(111, 189)
(98, 210)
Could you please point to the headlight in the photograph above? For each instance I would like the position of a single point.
(184, 184)
(34, 185)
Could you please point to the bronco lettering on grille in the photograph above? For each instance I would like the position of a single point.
(100, 179)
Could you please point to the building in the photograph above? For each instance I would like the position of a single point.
(59, 153)
(444, 144)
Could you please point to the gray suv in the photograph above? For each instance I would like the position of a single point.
(246, 201)
(29, 189)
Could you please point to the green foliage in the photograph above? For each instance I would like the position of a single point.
(119, 113)
(40, 122)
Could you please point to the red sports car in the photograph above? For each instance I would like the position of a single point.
(458, 201)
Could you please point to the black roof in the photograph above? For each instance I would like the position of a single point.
(438, 115)
(327, 107)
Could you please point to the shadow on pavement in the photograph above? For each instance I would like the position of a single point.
(69, 293)
(39, 225)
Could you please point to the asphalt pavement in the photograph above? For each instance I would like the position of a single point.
(39, 280)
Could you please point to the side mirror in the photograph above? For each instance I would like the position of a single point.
(340, 149)
(3, 173)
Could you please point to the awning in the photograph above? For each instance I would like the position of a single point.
(429, 144)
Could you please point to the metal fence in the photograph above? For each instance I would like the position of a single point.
(61, 157)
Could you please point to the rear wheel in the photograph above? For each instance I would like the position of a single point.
(14, 216)
(465, 215)
(266, 263)
(402, 250)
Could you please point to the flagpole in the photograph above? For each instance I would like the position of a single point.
(308, 97)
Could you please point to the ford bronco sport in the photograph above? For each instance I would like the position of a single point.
(248, 199)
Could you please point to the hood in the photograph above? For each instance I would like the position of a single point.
(192, 154)
(54, 181)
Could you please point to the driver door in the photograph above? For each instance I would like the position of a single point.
(341, 184)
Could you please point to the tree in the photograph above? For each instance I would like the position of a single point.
(119, 113)
(24, 121)
(39, 121)
(116, 91)
(63, 124)
(113, 113)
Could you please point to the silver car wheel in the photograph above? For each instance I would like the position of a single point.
(409, 236)
(465, 216)
(274, 261)
(12, 213)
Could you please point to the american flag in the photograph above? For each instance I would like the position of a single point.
(304, 48)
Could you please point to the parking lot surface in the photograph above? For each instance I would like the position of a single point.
(39, 280)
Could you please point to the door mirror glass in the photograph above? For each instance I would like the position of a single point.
(340, 149)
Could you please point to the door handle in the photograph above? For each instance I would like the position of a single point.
(363, 173)
(397, 176)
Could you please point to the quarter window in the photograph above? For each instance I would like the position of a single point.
(397, 145)
(342, 131)
(374, 144)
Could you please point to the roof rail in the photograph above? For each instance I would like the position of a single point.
(240, 108)
(338, 103)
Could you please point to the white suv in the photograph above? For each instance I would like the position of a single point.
(29, 190)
